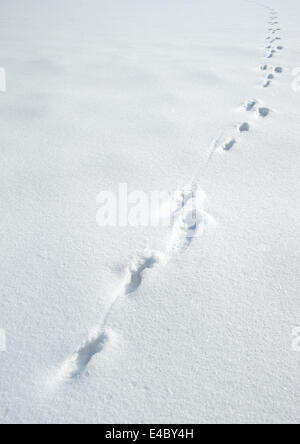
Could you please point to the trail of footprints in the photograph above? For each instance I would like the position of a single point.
(189, 218)
(273, 47)
(254, 107)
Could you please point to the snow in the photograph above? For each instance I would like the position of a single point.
(151, 324)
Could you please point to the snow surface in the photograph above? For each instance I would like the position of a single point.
(139, 325)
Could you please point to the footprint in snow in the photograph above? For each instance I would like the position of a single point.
(267, 84)
(263, 112)
(250, 105)
(135, 273)
(244, 127)
(78, 361)
(192, 220)
(229, 144)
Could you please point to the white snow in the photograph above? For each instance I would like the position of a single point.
(150, 325)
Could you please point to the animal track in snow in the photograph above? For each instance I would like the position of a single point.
(267, 84)
(135, 272)
(229, 144)
(78, 361)
(271, 52)
(244, 127)
(268, 81)
(255, 105)
(250, 105)
(191, 220)
(263, 112)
